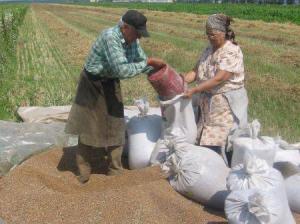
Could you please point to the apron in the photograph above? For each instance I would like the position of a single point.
(97, 114)
(219, 115)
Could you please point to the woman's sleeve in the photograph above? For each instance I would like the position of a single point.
(231, 60)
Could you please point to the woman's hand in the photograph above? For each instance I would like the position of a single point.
(190, 77)
(185, 84)
(156, 63)
(189, 93)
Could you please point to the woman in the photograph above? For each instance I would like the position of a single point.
(219, 73)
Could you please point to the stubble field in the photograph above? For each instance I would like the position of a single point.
(54, 41)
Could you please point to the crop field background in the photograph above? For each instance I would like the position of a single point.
(54, 40)
(11, 17)
(269, 13)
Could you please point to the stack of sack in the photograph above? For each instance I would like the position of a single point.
(257, 194)
(260, 193)
(287, 161)
(292, 187)
(148, 134)
(177, 120)
(200, 174)
(274, 151)
(189, 167)
(253, 191)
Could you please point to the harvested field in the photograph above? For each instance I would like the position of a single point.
(55, 40)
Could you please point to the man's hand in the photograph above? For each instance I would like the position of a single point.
(156, 63)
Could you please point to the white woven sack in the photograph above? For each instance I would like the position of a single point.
(160, 153)
(292, 186)
(292, 156)
(257, 174)
(198, 173)
(262, 147)
(143, 133)
(254, 206)
(134, 111)
(177, 115)
(253, 173)
(165, 147)
(44, 114)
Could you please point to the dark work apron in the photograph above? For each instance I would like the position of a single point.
(97, 114)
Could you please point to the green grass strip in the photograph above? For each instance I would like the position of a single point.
(268, 13)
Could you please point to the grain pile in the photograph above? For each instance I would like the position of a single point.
(44, 189)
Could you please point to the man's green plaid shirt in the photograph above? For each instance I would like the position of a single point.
(111, 57)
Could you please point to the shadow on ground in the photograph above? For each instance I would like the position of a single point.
(98, 161)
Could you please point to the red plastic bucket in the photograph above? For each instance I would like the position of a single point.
(167, 82)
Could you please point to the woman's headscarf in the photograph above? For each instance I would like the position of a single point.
(217, 22)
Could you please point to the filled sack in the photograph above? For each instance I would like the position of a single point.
(292, 186)
(287, 154)
(255, 206)
(135, 111)
(178, 122)
(44, 114)
(292, 156)
(262, 147)
(285, 145)
(164, 147)
(178, 114)
(141, 108)
(286, 169)
(198, 173)
(143, 133)
(160, 153)
(255, 173)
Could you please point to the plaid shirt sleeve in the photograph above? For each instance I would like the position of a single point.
(118, 61)
(142, 56)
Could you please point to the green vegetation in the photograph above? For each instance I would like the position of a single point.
(11, 17)
(41, 76)
(269, 13)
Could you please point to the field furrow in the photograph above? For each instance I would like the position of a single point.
(40, 67)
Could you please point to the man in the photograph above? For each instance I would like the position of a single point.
(97, 115)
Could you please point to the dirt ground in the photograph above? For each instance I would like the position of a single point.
(44, 189)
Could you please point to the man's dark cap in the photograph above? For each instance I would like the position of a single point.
(137, 20)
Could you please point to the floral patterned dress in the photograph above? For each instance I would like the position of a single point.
(216, 117)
